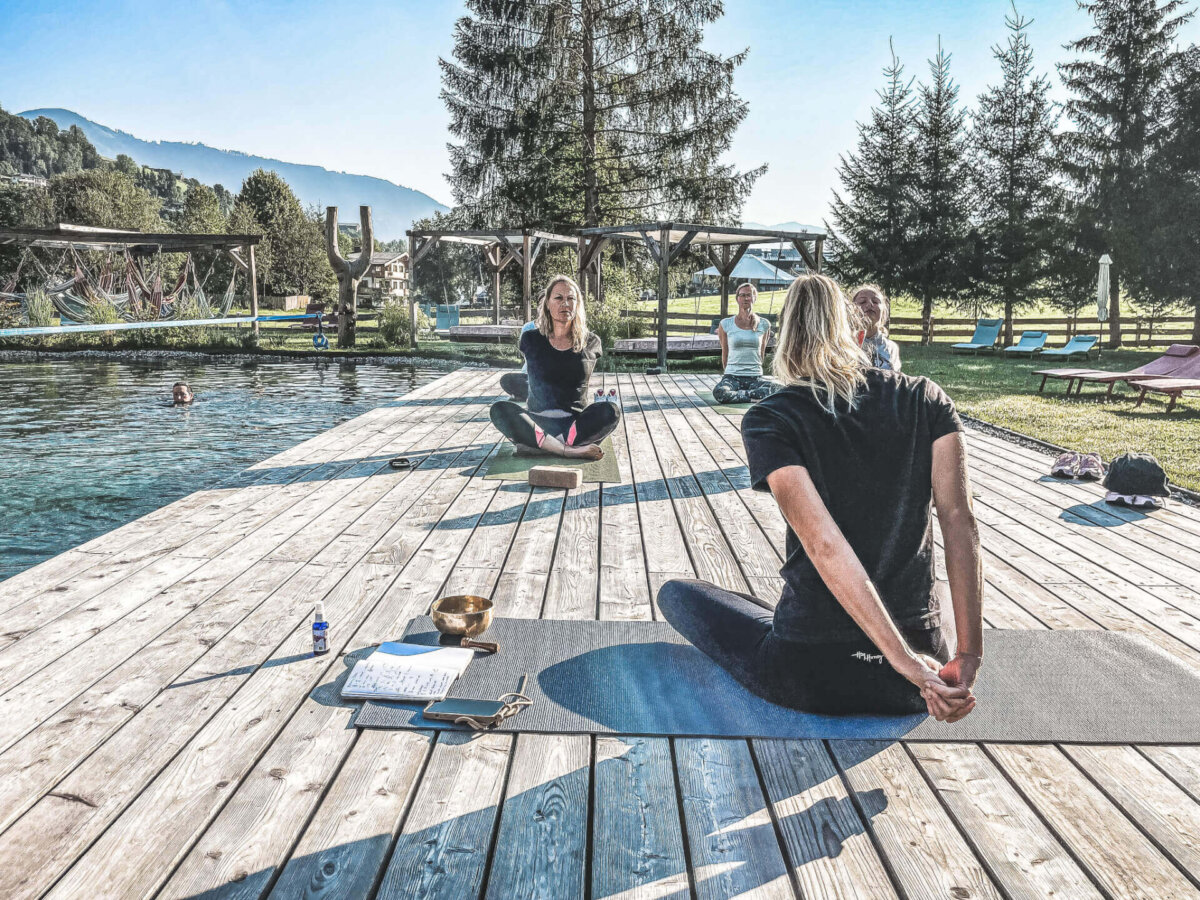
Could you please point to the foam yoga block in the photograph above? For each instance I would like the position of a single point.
(555, 477)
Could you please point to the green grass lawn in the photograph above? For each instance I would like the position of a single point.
(1004, 392)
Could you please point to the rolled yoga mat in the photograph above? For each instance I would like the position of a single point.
(507, 466)
(642, 678)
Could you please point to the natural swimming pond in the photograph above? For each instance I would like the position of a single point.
(89, 444)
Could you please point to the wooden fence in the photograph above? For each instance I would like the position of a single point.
(1136, 332)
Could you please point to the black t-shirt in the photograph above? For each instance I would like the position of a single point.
(558, 379)
(873, 469)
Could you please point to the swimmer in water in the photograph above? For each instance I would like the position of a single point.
(181, 393)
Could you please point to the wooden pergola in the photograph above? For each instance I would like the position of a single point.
(141, 243)
(500, 247)
(667, 241)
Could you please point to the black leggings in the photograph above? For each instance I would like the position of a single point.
(591, 426)
(742, 389)
(516, 385)
(847, 677)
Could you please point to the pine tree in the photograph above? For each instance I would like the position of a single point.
(582, 112)
(1012, 171)
(873, 214)
(935, 267)
(1170, 212)
(1119, 112)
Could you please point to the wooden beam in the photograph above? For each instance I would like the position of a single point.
(805, 255)
(253, 278)
(652, 247)
(664, 262)
(237, 260)
(528, 252)
(684, 243)
(820, 242)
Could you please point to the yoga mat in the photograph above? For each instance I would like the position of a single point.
(642, 678)
(507, 466)
(728, 409)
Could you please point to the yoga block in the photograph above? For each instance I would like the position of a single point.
(555, 477)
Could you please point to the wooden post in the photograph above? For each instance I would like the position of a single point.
(253, 276)
(494, 259)
(820, 254)
(724, 272)
(664, 262)
(526, 279)
(412, 293)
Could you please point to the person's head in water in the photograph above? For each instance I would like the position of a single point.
(817, 345)
(745, 296)
(872, 305)
(181, 393)
(562, 307)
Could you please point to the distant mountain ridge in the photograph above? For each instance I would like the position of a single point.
(393, 207)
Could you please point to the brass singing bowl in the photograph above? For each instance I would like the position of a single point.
(463, 614)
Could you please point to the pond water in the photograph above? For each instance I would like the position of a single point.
(88, 445)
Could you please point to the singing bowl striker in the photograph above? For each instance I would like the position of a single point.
(463, 614)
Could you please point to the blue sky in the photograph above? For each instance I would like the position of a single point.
(354, 86)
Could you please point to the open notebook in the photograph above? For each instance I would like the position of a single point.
(398, 671)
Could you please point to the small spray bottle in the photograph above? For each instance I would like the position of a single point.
(320, 630)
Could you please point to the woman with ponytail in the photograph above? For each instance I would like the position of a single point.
(853, 455)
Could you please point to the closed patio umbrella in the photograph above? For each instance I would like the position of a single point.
(1102, 289)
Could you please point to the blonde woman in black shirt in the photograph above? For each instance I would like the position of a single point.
(853, 456)
(560, 354)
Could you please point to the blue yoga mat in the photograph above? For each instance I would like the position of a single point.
(642, 678)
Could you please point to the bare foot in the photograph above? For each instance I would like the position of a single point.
(585, 451)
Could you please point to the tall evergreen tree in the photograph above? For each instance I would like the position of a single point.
(941, 199)
(1119, 112)
(1170, 274)
(582, 112)
(873, 214)
(1012, 166)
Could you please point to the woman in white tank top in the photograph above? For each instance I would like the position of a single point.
(743, 346)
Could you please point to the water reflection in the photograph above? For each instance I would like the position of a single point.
(87, 445)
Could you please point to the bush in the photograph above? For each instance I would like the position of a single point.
(190, 335)
(394, 325)
(39, 310)
(606, 321)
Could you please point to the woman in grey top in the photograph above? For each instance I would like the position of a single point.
(743, 345)
(874, 310)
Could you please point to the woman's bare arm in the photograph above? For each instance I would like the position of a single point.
(762, 350)
(843, 573)
(724, 347)
(960, 535)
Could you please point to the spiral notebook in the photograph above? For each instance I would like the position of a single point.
(415, 672)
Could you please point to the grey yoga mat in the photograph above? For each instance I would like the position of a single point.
(642, 678)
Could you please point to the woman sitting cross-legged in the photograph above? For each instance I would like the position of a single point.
(874, 310)
(743, 346)
(853, 455)
(560, 355)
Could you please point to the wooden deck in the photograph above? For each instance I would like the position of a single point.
(166, 731)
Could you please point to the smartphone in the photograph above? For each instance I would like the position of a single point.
(486, 712)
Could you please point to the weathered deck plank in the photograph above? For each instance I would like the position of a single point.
(163, 757)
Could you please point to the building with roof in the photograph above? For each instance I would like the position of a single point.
(753, 269)
(388, 275)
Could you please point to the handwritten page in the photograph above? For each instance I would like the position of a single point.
(398, 671)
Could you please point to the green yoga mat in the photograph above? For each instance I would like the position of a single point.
(728, 409)
(507, 466)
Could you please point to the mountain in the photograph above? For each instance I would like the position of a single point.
(393, 207)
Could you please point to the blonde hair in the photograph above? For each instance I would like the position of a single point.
(884, 303)
(579, 329)
(816, 343)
